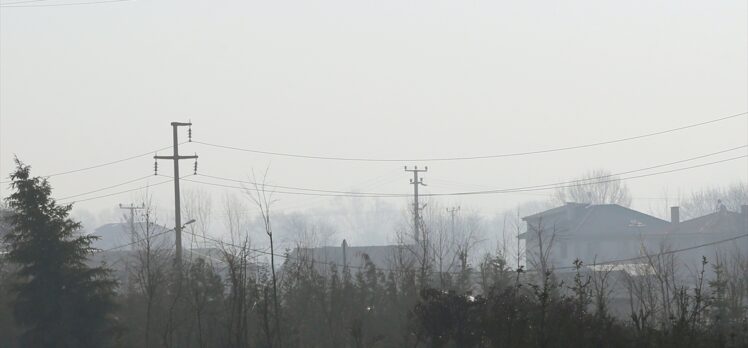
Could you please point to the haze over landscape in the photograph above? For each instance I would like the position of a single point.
(84, 85)
(329, 100)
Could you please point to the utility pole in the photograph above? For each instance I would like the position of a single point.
(177, 209)
(132, 208)
(416, 208)
(345, 246)
(452, 211)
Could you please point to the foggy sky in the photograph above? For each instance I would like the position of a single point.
(82, 85)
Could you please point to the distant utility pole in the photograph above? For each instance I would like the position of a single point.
(416, 208)
(132, 208)
(177, 209)
(452, 211)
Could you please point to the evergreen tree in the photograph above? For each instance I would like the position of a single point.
(60, 301)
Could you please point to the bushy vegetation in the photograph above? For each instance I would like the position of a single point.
(229, 299)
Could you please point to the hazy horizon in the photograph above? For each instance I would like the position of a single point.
(84, 85)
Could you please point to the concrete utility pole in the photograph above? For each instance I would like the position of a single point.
(452, 211)
(416, 208)
(344, 245)
(177, 209)
(132, 208)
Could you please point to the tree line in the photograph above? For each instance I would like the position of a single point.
(51, 296)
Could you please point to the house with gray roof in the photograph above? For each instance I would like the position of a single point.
(720, 235)
(604, 233)
(592, 233)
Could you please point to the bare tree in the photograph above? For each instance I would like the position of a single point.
(263, 199)
(442, 243)
(237, 254)
(418, 245)
(467, 230)
(539, 252)
(150, 265)
(198, 207)
(595, 187)
(710, 200)
(601, 288)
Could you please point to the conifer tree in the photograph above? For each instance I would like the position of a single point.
(60, 301)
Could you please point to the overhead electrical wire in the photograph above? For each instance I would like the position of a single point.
(264, 252)
(669, 252)
(103, 164)
(485, 192)
(118, 193)
(440, 159)
(62, 4)
(577, 183)
(133, 243)
(338, 193)
(21, 2)
(105, 188)
(563, 184)
(610, 262)
(388, 177)
(404, 159)
(286, 256)
(260, 185)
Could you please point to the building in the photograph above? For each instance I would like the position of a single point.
(592, 233)
(603, 233)
(720, 235)
(123, 235)
(382, 256)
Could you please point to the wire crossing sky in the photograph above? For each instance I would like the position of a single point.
(497, 94)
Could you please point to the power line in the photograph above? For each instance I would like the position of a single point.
(105, 188)
(296, 193)
(583, 182)
(118, 193)
(290, 187)
(436, 159)
(133, 243)
(264, 252)
(336, 193)
(313, 261)
(285, 256)
(64, 4)
(102, 164)
(543, 187)
(596, 179)
(669, 252)
(364, 185)
(21, 2)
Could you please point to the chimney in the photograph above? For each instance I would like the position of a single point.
(675, 215)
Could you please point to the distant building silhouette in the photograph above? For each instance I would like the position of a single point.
(118, 235)
(597, 233)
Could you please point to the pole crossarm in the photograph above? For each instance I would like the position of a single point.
(178, 157)
(177, 209)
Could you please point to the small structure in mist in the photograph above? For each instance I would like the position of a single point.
(610, 233)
